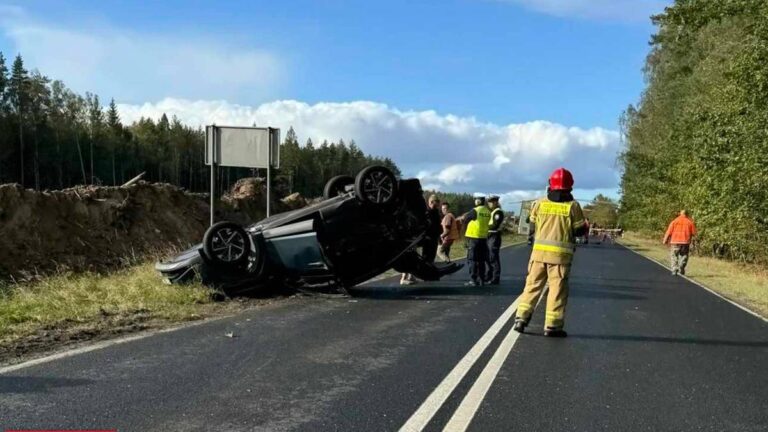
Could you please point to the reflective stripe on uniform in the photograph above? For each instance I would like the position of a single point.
(554, 208)
(524, 311)
(553, 246)
(556, 249)
(553, 319)
(524, 307)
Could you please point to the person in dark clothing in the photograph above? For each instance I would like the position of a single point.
(494, 241)
(431, 238)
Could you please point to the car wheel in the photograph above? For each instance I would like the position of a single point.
(226, 243)
(337, 185)
(376, 185)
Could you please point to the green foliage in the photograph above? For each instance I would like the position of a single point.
(51, 137)
(306, 168)
(602, 211)
(698, 139)
(460, 203)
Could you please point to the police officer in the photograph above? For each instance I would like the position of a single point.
(494, 241)
(558, 220)
(477, 221)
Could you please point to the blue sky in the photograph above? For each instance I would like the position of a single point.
(499, 63)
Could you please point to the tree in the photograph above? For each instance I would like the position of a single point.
(74, 114)
(17, 94)
(697, 139)
(602, 211)
(95, 123)
(5, 142)
(115, 129)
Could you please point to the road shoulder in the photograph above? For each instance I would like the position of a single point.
(745, 286)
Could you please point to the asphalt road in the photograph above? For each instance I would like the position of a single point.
(646, 352)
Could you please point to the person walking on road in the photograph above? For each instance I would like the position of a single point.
(679, 235)
(450, 233)
(558, 220)
(494, 241)
(477, 220)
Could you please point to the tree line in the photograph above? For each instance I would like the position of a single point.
(698, 138)
(53, 138)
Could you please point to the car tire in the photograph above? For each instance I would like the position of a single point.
(336, 186)
(226, 243)
(376, 185)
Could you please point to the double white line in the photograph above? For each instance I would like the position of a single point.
(471, 402)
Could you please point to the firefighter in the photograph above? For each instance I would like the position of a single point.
(477, 221)
(558, 220)
(494, 241)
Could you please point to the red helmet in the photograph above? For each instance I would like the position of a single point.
(561, 179)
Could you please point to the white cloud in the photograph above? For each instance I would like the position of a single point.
(131, 66)
(624, 10)
(447, 152)
(459, 173)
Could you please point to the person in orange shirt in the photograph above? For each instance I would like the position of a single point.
(680, 234)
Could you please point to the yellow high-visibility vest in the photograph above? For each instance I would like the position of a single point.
(478, 228)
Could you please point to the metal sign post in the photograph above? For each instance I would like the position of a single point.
(246, 147)
(213, 172)
(269, 173)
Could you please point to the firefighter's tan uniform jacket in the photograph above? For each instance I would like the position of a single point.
(553, 248)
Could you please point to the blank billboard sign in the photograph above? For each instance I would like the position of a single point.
(247, 147)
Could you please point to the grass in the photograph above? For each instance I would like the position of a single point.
(74, 306)
(744, 284)
(69, 300)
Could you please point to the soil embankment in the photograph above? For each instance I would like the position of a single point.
(98, 228)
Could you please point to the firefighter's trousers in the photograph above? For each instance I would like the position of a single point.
(538, 275)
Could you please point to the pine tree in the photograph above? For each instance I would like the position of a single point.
(5, 143)
(39, 102)
(115, 134)
(95, 121)
(17, 92)
(3, 82)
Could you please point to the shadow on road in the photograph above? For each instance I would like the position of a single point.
(693, 341)
(12, 384)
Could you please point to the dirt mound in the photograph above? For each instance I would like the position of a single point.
(94, 228)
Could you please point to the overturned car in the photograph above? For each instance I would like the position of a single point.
(363, 227)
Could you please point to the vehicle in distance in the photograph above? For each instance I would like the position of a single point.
(363, 227)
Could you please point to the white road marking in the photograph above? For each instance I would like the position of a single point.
(439, 395)
(744, 308)
(464, 414)
(466, 411)
(101, 345)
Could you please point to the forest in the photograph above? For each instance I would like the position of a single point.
(53, 138)
(698, 139)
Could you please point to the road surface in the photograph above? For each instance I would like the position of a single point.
(646, 352)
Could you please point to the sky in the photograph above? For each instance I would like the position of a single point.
(479, 96)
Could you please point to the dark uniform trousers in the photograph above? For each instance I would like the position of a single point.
(477, 256)
(494, 261)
